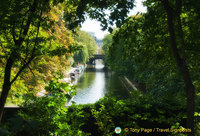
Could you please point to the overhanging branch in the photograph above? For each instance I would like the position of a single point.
(21, 69)
(29, 68)
(32, 55)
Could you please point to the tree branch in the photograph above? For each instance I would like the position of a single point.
(32, 55)
(13, 32)
(21, 69)
(28, 23)
(29, 67)
(23, 21)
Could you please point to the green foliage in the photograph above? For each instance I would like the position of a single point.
(89, 47)
(81, 56)
(33, 34)
(140, 50)
(45, 115)
(107, 41)
(56, 86)
(89, 41)
(102, 117)
(75, 14)
(18, 89)
(103, 120)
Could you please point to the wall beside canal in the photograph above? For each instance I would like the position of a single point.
(132, 86)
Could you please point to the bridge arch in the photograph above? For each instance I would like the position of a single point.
(95, 57)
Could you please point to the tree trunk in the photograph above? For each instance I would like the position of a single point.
(7, 76)
(4, 94)
(181, 63)
(6, 85)
(190, 90)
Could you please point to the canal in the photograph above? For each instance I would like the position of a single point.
(95, 83)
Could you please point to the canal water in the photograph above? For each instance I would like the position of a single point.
(95, 83)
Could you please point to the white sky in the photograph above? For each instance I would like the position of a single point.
(94, 26)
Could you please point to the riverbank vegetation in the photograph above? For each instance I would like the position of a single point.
(36, 46)
(47, 116)
(89, 47)
(141, 50)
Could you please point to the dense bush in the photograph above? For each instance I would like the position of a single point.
(43, 116)
(47, 116)
(143, 112)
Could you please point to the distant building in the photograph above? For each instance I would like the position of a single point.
(98, 41)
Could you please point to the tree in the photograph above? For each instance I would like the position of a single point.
(81, 56)
(96, 10)
(89, 41)
(143, 43)
(89, 47)
(21, 22)
(107, 41)
(56, 59)
(181, 61)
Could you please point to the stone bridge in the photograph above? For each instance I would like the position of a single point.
(96, 56)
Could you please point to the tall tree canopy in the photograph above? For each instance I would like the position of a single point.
(89, 47)
(27, 32)
(158, 49)
(22, 35)
(95, 9)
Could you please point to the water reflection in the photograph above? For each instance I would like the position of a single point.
(91, 87)
(95, 83)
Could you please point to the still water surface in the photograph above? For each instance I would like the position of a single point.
(95, 83)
